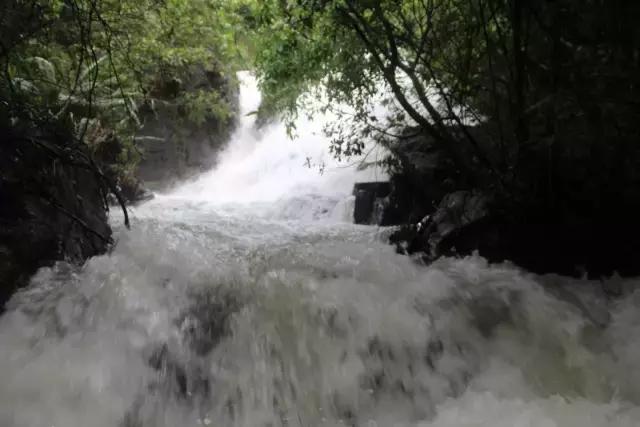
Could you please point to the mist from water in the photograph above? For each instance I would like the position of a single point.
(264, 165)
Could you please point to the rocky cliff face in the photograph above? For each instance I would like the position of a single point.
(444, 212)
(174, 148)
(52, 205)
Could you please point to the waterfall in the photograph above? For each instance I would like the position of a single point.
(265, 165)
(246, 298)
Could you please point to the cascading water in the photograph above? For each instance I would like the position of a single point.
(246, 299)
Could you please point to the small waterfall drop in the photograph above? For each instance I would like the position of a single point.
(265, 168)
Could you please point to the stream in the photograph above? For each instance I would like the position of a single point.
(247, 298)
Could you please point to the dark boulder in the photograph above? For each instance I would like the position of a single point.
(52, 205)
(411, 198)
(593, 249)
(434, 233)
(420, 177)
(455, 212)
(370, 203)
(173, 146)
(577, 230)
(467, 222)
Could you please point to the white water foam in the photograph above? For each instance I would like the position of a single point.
(244, 299)
(265, 165)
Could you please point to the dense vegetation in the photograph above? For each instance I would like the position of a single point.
(514, 92)
(534, 103)
(98, 63)
(531, 102)
(78, 81)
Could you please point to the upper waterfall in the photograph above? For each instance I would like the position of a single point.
(261, 165)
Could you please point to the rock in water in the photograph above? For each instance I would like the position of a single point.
(370, 201)
(439, 233)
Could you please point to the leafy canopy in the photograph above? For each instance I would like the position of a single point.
(424, 55)
(87, 60)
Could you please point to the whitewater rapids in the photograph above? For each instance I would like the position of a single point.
(247, 298)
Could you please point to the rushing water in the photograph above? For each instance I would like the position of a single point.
(246, 298)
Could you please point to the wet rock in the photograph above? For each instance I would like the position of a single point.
(570, 232)
(455, 212)
(438, 234)
(51, 208)
(172, 147)
(370, 204)
(468, 222)
(421, 177)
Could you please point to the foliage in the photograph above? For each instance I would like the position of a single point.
(83, 60)
(530, 99)
(533, 100)
(352, 48)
